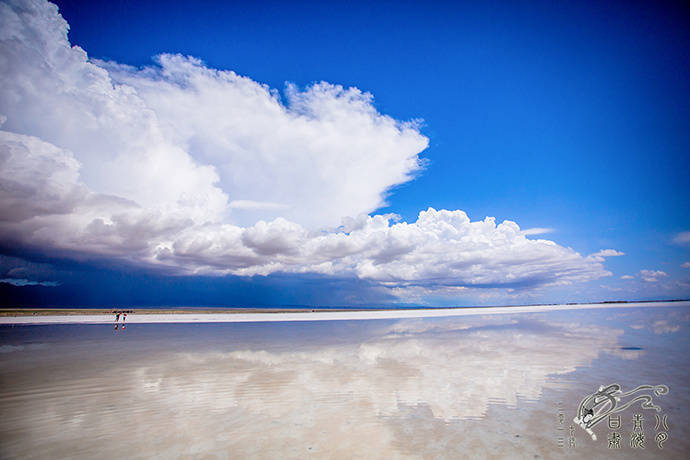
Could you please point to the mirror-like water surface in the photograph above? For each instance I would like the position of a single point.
(483, 386)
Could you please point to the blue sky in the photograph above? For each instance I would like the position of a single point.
(570, 117)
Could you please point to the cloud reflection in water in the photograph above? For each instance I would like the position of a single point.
(318, 398)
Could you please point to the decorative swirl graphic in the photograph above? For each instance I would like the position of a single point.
(597, 406)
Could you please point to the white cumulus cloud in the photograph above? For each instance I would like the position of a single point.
(324, 154)
(607, 253)
(440, 249)
(198, 170)
(652, 276)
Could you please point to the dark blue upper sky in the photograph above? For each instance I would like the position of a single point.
(573, 116)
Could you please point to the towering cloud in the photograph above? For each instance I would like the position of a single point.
(326, 154)
(201, 170)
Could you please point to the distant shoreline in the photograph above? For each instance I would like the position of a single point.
(105, 316)
(61, 311)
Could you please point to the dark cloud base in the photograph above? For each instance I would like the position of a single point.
(88, 286)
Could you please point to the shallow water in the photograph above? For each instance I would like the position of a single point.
(488, 386)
